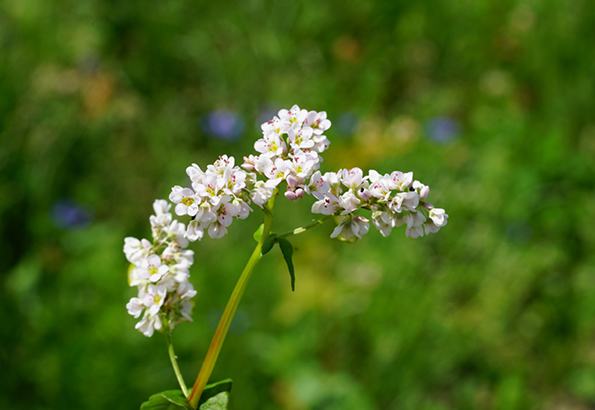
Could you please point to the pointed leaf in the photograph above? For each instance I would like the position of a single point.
(217, 402)
(130, 269)
(287, 250)
(268, 244)
(258, 233)
(167, 400)
(213, 389)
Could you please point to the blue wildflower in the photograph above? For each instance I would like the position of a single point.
(223, 124)
(442, 129)
(67, 214)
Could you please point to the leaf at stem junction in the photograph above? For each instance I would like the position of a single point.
(268, 244)
(258, 233)
(166, 400)
(287, 251)
(217, 402)
(215, 389)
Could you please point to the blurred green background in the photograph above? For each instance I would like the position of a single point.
(491, 103)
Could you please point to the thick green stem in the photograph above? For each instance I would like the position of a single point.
(230, 309)
(174, 364)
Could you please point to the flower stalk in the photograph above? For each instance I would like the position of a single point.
(210, 359)
(305, 228)
(174, 363)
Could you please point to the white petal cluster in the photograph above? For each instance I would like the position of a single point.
(394, 199)
(160, 270)
(288, 151)
(215, 197)
(288, 154)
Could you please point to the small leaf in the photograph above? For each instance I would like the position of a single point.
(218, 402)
(287, 250)
(166, 400)
(130, 269)
(213, 389)
(268, 244)
(258, 233)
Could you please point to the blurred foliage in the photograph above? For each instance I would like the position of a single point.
(104, 103)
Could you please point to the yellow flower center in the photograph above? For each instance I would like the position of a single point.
(188, 201)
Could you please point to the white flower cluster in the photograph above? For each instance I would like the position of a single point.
(160, 270)
(289, 151)
(216, 196)
(393, 199)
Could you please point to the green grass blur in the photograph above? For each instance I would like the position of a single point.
(491, 103)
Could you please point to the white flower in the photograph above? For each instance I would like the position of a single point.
(318, 186)
(161, 208)
(430, 227)
(276, 171)
(177, 232)
(217, 230)
(250, 162)
(351, 228)
(209, 188)
(349, 202)
(438, 216)
(380, 187)
(401, 180)
(304, 164)
(135, 249)
(407, 201)
(194, 173)
(318, 122)
(148, 325)
(186, 200)
(272, 145)
(421, 189)
(226, 213)
(151, 269)
(135, 307)
(325, 206)
(351, 178)
(186, 309)
(415, 222)
(301, 139)
(237, 181)
(384, 222)
(261, 193)
(154, 298)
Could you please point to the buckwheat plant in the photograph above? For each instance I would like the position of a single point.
(288, 159)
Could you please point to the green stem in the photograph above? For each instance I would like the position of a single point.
(174, 363)
(302, 229)
(230, 309)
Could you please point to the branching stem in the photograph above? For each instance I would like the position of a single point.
(230, 309)
(304, 228)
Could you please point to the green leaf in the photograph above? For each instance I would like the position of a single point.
(130, 269)
(258, 233)
(166, 400)
(287, 250)
(268, 244)
(213, 389)
(217, 402)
